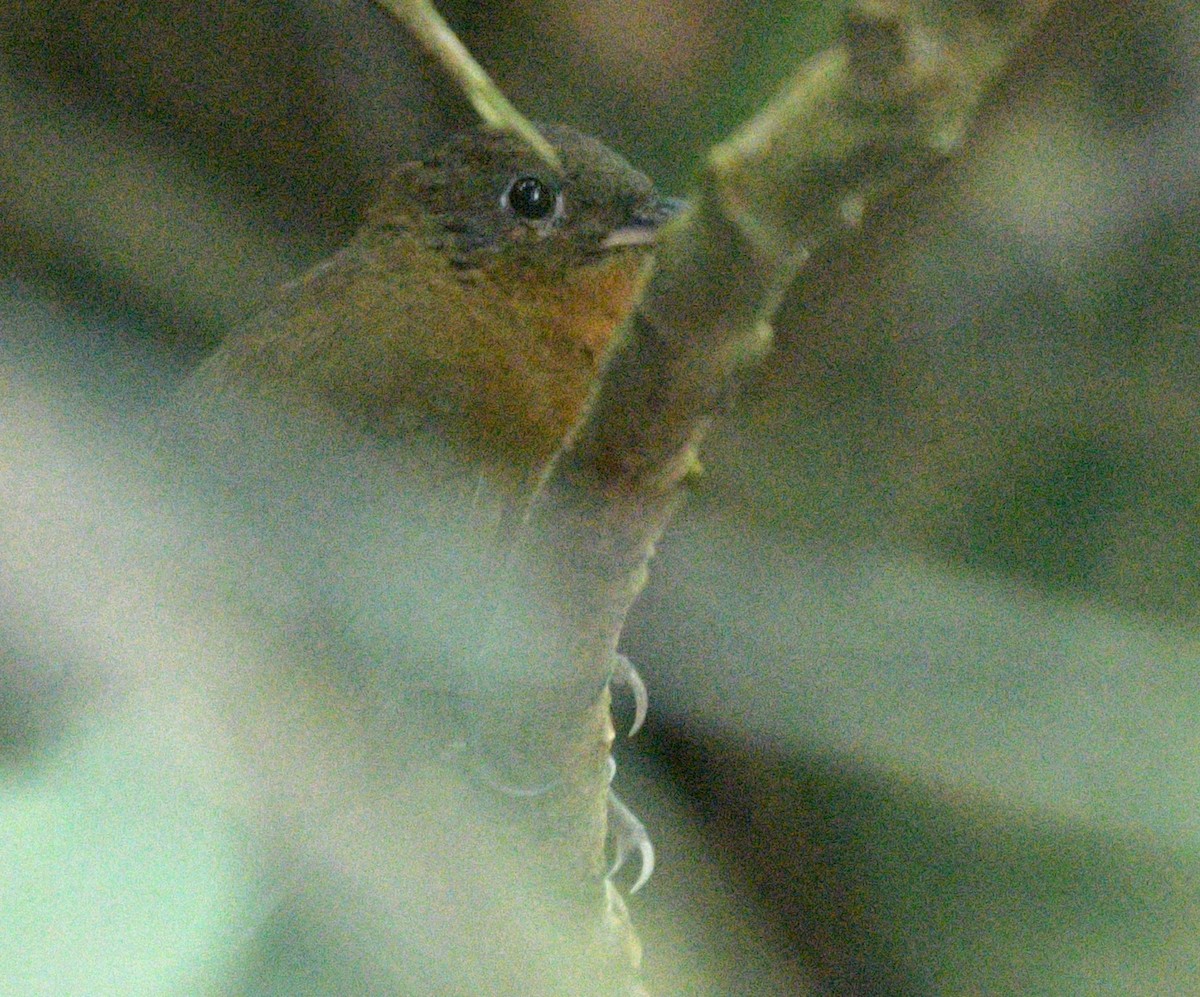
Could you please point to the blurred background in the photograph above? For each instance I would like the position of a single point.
(922, 645)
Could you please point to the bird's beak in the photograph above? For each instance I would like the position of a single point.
(642, 230)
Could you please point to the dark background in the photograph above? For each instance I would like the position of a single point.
(922, 645)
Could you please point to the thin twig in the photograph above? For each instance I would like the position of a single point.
(442, 43)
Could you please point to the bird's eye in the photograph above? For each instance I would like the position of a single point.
(531, 198)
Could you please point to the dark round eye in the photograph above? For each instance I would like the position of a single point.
(531, 198)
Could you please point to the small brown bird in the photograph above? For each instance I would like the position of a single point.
(472, 307)
(371, 431)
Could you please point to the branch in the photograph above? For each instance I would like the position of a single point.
(861, 122)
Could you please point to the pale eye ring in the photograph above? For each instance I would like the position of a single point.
(532, 199)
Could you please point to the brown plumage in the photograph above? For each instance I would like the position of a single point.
(470, 312)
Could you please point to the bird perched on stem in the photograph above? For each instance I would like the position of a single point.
(384, 417)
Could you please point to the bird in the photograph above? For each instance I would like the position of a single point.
(424, 374)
